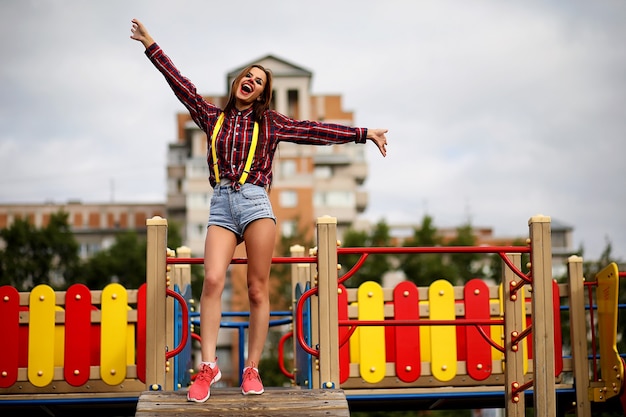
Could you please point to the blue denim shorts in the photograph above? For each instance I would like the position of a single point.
(235, 209)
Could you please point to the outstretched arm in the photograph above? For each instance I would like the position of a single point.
(140, 33)
(378, 137)
(202, 112)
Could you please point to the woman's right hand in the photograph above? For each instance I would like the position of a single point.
(140, 33)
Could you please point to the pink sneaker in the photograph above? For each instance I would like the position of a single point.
(251, 382)
(200, 390)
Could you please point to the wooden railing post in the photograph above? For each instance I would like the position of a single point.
(514, 324)
(543, 317)
(156, 270)
(299, 272)
(328, 308)
(578, 334)
(183, 271)
(314, 318)
(299, 277)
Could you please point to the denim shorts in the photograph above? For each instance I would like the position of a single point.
(235, 209)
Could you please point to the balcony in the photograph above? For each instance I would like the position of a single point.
(332, 159)
(361, 201)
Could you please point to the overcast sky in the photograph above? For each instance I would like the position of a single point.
(496, 110)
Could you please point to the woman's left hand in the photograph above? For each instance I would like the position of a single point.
(378, 137)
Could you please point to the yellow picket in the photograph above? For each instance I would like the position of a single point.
(113, 334)
(41, 337)
(441, 303)
(372, 338)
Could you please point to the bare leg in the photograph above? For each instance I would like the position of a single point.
(219, 248)
(260, 238)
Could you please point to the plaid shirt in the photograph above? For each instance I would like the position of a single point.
(235, 136)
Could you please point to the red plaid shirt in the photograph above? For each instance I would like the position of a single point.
(235, 136)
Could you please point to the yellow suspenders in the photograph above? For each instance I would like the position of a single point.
(246, 170)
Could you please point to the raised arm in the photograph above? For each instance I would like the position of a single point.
(203, 113)
(140, 33)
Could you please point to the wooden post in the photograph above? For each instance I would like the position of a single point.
(299, 272)
(183, 271)
(299, 277)
(328, 309)
(314, 317)
(514, 317)
(542, 316)
(155, 302)
(578, 334)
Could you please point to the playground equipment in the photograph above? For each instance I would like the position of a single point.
(68, 350)
(436, 346)
(446, 346)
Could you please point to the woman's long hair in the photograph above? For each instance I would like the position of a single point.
(262, 104)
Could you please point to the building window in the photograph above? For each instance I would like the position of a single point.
(334, 199)
(288, 199)
(273, 102)
(198, 200)
(559, 240)
(287, 168)
(323, 172)
(292, 104)
(288, 228)
(196, 230)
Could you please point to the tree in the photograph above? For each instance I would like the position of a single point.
(464, 264)
(124, 261)
(376, 265)
(422, 269)
(32, 256)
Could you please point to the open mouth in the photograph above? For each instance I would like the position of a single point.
(246, 88)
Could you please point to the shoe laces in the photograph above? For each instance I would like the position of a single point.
(206, 373)
(250, 373)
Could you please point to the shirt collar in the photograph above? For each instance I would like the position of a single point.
(244, 113)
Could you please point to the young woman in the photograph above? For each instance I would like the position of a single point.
(242, 140)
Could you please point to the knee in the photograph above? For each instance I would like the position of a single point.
(258, 295)
(213, 283)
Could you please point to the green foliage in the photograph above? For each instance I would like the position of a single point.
(49, 255)
(376, 264)
(464, 264)
(34, 256)
(123, 262)
(422, 269)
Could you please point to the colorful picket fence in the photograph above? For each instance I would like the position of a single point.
(73, 341)
(412, 354)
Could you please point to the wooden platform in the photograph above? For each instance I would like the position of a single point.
(275, 402)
